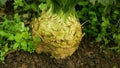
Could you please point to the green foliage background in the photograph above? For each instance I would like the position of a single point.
(102, 17)
(14, 36)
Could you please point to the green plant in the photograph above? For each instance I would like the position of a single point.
(114, 67)
(14, 36)
(18, 3)
(29, 6)
(104, 20)
(2, 2)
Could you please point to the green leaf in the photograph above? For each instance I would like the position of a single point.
(34, 7)
(27, 29)
(83, 3)
(38, 39)
(114, 67)
(92, 1)
(24, 45)
(116, 12)
(20, 27)
(11, 37)
(2, 53)
(92, 13)
(16, 17)
(16, 45)
(18, 3)
(106, 2)
(31, 46)
(2, 2)
(106, 41)
(25, 35)
(6, 49)
(2, 33)
(18, 37)
(43, 6)
(2, 58)
(105, 22)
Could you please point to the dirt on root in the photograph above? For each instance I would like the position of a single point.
(87, 56)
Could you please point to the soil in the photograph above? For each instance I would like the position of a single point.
(88, 55)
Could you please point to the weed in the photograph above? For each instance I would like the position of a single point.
(14, 36)
(104, 19)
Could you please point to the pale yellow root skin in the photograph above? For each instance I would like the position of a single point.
(59, 38)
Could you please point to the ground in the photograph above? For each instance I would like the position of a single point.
(88, 55)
